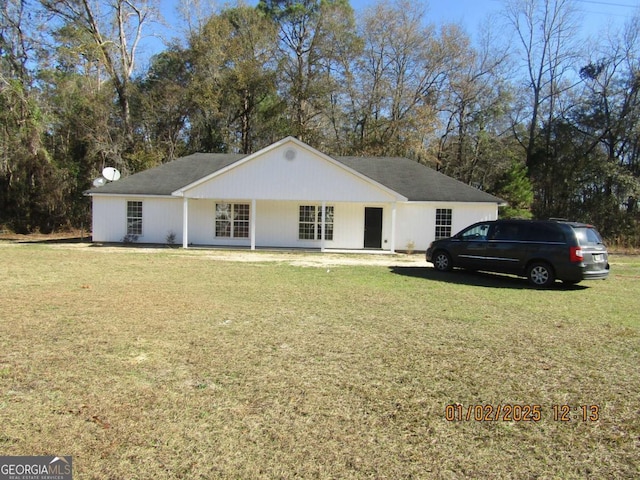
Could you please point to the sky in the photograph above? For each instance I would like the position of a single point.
(596, 15)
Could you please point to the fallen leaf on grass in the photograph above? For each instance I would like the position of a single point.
(98, 421)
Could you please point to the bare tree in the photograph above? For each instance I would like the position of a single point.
(115, 29)
(474, 111)
(398, 81)
(194, 15)
(31, 186)
(546, 33)
(19, 47)
(315, 35)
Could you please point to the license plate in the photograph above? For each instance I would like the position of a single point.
(598, 257)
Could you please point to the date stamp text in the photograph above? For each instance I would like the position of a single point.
(457, 412)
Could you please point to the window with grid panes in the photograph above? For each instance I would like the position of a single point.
(443, 222)
(134, 218)
(241, 220)
(232, 220)
(310, 223)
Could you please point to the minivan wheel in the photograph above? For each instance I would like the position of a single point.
(540, 274)
(442, 261)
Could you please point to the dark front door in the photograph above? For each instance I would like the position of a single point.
(372, 227)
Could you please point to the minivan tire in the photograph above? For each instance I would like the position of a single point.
(540, 274)
(442, 261)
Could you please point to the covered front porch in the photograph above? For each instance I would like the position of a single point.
(324, 225)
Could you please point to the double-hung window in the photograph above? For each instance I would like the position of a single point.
(443, 223)
(134, 218)
(232, 220)
(310, 222)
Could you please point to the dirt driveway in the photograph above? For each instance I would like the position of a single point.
(292, 257)
(314, 259)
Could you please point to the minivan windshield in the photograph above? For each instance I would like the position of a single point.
(587, 236)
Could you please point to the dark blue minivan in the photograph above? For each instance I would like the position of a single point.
(542, 251)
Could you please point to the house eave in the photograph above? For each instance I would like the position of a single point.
(127, 195)
(461, 202)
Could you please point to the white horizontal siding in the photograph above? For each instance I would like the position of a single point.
(348, 228)
(108, 219)
(277, 225)
(202, 224)
(415, 222)
(160, 217)
(277, 222)
(272, 176)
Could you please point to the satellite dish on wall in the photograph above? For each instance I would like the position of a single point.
(100, 181)
(111, 174)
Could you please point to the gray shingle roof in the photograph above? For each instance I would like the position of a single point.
(406, 177)
(169, 177)
(417, 182)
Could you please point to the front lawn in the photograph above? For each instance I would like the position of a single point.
(172, 364)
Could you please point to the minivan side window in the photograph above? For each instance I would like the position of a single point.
(479, 232)
(506, 231)
(539, 232)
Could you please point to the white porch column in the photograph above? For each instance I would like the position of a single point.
(185, 222)
(322, 225)
(393, 227)
(252, 228)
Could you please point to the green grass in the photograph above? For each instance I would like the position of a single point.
(169, 364)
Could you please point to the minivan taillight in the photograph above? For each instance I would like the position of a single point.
(576, 254)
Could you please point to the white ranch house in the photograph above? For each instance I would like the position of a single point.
(288, 195)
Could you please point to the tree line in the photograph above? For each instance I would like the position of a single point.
(527, 110)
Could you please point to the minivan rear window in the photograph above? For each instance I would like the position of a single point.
(587, 236)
